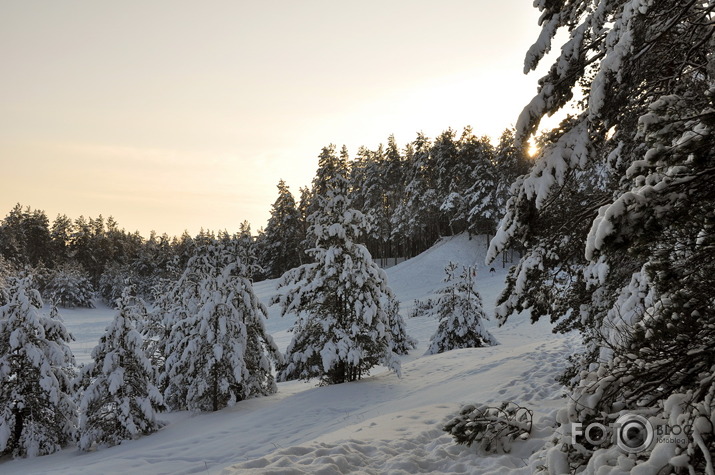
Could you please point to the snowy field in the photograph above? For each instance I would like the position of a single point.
(382, 424)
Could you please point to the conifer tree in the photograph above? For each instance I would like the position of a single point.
(37, 414)
(25, 237)
(483, 209)
(366, 186)
(402, 343)
(119, 399)
(510, 162)
(616, 216)
(460, 312)
(393, 170)
(417, 216)
(341, 300)
(218, 351)
(376, 188)
(330, 166)
(282, 237)
(6, 272)
(61, 233)
(69, 286)
(248, 250)
(450, 174)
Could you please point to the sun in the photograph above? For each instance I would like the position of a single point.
(532, 150)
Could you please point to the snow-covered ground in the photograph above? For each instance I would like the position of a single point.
(382, 424)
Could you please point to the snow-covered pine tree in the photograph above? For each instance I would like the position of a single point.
(155, 329)
(6, 272)
(113, 281)
(281, 246)
(480, 209)
(451, 178)
(218, 351)
(510, 162)
(460, 312)
(629, 260)
(303, 206)
(402, 343)
(119, 399)
(25, 237)
(376, 188)
(416, 218)
(393, 170)
(358, 177)
(492, 171)
(367, 189)
(341, 301)
(163, 331)
(37, 413)
(330, 165)
(247, 249)
(61, 233)
(69, 286)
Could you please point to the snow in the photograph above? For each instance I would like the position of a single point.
(542, 45)
(381, 424)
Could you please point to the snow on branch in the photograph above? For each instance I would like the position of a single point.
(492, 428)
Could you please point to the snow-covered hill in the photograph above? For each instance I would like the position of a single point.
(381, 424)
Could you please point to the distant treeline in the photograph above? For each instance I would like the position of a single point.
(411, 196)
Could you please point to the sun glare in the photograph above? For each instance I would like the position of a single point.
(533, 150)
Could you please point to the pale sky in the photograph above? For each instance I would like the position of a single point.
(175, 114)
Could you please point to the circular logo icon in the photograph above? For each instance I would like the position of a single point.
(634, 433)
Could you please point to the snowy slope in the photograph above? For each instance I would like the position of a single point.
(377, 425)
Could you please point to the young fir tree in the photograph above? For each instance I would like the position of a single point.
(119, 399)
(37, 414)
(627, 261)
(218, 351)
(341, 300)
(460, 312)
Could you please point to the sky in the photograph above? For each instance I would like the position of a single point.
(173, 115)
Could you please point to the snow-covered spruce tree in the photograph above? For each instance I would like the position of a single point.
(119, 399)
(218, 351)
(460, 312)
(631, 263)
(37, 414)
(341, 301)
